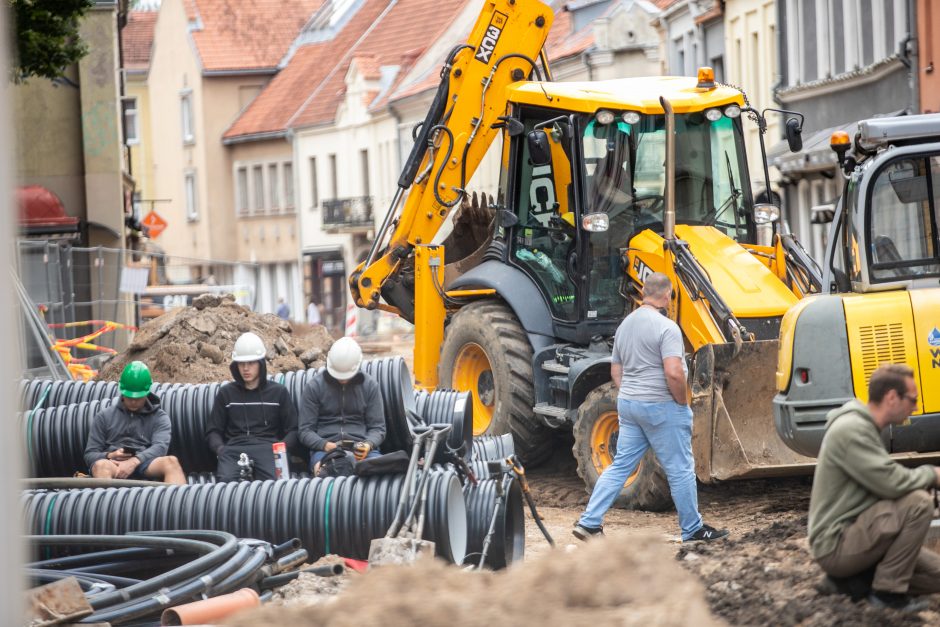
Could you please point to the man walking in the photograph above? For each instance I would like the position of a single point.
(130, 438)
(250, 414)
(342, 403)
(649, 366)
(866, 510)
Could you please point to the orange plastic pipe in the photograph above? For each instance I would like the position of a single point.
(210, 610)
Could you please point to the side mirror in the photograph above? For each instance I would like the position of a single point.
(540, 153)
(794, 133)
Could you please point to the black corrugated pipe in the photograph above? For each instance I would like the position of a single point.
(275, 581)
(398, 399)
(493, 447)
(334, 515)
(56, 436)
(453, 408)
(508, 542)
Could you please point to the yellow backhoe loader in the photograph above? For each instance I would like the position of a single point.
(601, 184)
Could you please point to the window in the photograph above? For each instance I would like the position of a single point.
(334, 189)
(192, 208)
(257, 180)
(364, 164)
(902, 219)
(314, 185)
(241, 191)
(288, 169)
(273, 202)
(186, 115)
(131, 130)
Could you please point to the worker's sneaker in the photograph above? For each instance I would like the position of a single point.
(707, 533)
(856, 586)
(586, 533)
(896, 601)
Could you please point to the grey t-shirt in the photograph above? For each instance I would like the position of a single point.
(642, 341)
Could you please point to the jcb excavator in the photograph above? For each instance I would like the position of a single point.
(602, 183)
(881, 290)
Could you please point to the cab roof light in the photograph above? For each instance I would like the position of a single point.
(706, 78)
(840, 143)
(604, 117)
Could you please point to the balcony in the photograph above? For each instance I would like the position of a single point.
(348, 215)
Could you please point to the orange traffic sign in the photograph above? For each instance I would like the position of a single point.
(154, 223)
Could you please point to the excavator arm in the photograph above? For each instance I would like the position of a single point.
(461, 124)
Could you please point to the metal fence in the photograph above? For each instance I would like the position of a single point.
(69, 284)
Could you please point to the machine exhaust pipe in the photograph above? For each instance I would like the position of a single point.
(669, 218)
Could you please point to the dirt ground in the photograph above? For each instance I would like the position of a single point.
(194, 344)
(639, 574)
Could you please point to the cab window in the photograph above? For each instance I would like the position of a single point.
(902, 220)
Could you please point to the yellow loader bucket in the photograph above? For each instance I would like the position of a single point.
(733, 434)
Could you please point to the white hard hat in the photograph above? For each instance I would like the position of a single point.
(249, 347)
(342, 362)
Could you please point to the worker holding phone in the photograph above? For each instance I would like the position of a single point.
(129, 439)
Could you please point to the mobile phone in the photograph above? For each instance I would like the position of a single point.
(346, 444)
(130, 451)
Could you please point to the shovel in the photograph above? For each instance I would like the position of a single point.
(402, 543)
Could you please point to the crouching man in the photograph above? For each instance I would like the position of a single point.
(250, 414)
(866, 511)
(130, 439)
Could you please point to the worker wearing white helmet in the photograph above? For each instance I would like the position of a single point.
(342, 406)
(250, 414)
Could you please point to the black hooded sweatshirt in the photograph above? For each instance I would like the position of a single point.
(114, 427)
(243, 416)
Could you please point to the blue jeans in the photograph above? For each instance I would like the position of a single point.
(667, 427)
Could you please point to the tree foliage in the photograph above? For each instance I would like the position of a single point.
(47, 38)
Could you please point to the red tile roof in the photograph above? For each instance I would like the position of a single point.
(308, 91)
(238, 35)
(137, 39)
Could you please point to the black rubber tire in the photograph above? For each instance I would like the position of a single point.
(649, 491)
(494, 327)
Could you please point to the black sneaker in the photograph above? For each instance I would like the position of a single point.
(896, 601)
(586, 533)
(857, 587)
(707, 533)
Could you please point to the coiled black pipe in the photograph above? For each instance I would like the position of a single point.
(493, 447)
(337, 515)
(507, 544)
(449, 407)
(275, 581)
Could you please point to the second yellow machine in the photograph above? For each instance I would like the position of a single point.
(601, 184)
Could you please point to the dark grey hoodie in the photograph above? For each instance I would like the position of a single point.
(147, 430)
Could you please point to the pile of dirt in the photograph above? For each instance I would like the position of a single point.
(194, 344)
(631, 580)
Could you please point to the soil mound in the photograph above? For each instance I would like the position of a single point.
(194, 344)
(632, 580)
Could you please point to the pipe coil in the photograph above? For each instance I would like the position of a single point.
(333, 515)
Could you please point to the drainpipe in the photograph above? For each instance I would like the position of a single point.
(586, 59)
(910, 58)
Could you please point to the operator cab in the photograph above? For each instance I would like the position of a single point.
(574, 222)
(899, 210)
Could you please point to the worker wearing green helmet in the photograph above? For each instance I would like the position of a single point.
(130, 437)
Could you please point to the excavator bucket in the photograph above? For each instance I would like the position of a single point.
(733, 434)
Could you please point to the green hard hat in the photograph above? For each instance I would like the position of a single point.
(136, 380)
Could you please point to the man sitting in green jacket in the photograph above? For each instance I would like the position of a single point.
(866, 511)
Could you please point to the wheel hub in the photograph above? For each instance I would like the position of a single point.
(472, 371)
(604, 436)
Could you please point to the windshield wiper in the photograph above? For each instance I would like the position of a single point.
(712, 215)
